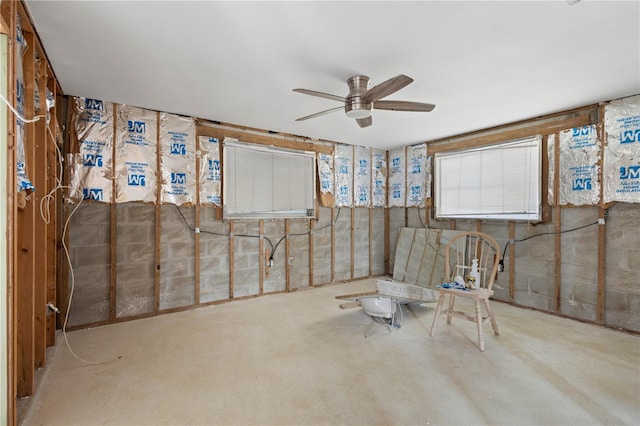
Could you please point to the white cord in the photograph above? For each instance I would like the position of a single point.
(73, 284)
(17, 114)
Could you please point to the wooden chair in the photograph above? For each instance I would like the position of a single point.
(459, 255)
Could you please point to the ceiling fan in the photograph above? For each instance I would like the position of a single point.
(361, 100)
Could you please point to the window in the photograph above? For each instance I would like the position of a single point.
(496, 182)
(267, 182)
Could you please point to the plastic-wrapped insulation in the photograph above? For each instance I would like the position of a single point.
(210, 189)
(362, 177)
(579, 166)
(379, 178)
(343, 160)
(136, 161)
(551, 160)
(178, 163)
(621, 165)
(326, 178)
(24, 183)
(416, 175)
(92, 166)
(397, 178)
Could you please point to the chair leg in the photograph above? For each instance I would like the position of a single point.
(434, 324)
(452, 300)
(479, 324)
(494, 324)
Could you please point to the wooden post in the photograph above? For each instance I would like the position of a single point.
(311, 228)
(196, 219)
(370, 241)
(25, 255)
(557, 219)
(231, 259)
(261, 258)
(602, 230)
(158, 223)
(353, 243)
(387, 241)
(333, 244)
(287, 253)
(512, 261)
(52, 165)
(113, 225)
(40, 231)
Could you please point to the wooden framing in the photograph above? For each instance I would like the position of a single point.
(557, 221)
(37, 273)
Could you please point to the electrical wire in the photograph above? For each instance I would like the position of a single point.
(18, 115)
(273, 248)
(45, 214)
(73, 284)
(504, 252)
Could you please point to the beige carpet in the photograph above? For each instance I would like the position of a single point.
(297, 359)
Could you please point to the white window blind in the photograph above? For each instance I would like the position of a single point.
(496, 182)
(267, 182)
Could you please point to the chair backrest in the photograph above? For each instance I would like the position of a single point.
(463, 248)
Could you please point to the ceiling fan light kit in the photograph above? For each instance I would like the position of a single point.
(361, 100)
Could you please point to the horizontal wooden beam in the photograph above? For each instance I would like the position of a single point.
(262, 138)
(540, 126)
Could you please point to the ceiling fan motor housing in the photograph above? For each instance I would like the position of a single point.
(355, 106)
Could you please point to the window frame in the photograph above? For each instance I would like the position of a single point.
(531, 208)
(264, 173)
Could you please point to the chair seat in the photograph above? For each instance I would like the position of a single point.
(481, 293)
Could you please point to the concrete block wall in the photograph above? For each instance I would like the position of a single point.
(343, 259)
(276, 280)
(246, 270)
(177, 257)
(135, 259)
(579, 264)
(377, 242)
(396, 221)
(298, 259)
(534, 266)
(322, 247)
(214, 257)
(90, 253)
(500, 232)
(361, 243)
(622, 292)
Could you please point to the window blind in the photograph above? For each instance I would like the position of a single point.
(496, 182)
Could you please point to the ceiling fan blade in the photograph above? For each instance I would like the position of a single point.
(365, 122)
(318, 114)
(404, 106)
(386, 88)
(320, 94)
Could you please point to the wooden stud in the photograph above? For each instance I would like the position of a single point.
(8, 12)
(52, 167)
(113, 226)
(602, 230)
(333, 244)
(25, 290)
(261, 259)
(353, 243)
(557, 219)
(39, 178)
(512, 261)
(196, 220)
(312, 224)
(287, 253)
(387, 241)
(231, 259)
(370, 241)
(158, 222)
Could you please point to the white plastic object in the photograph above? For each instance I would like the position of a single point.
(475, 273)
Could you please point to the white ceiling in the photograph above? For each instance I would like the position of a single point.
(482, 63)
